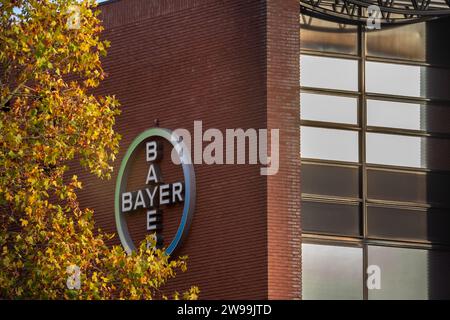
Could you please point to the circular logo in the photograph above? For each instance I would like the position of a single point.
(155, 194)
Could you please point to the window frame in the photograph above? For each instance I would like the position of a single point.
(363, 128)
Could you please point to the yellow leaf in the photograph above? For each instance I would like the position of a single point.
(24, 222)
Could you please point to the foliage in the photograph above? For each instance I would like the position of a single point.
(49, 118)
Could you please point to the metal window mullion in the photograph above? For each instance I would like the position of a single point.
(362, 148)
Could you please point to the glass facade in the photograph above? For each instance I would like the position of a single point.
(333, 272)
(375, 148)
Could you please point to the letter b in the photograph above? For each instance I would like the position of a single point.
(127, 201)
(151, 151)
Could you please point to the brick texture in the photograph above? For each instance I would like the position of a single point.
(283, 111)
(231, 64)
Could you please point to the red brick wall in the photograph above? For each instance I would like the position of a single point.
(283, 192)
(231, 64)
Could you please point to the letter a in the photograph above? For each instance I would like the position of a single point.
(374, 278)
(154, 174)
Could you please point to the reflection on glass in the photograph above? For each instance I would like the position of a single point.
(408, 151)
(413, 116)
(321, 35)
(403, 273)
(328, 73)
(329, 144)
(435, 118)
(410, 274)
(395, 79)
(395, 114)
(418, 187)
(330, 180)
(407, 42)
(408, 224)
(331, 218)
(331, 272)
(435, 83)
(438, 51)
(319, 107)
(389, 149)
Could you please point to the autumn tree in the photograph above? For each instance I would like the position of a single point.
(49, 249)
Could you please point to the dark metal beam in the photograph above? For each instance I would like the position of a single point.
(392, 12)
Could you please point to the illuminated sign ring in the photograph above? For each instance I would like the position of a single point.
(189, 182)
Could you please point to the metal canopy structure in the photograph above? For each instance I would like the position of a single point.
(363, 12)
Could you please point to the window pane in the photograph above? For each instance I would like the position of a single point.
(435, 83)
(407, 42)
(319, 107)
(393, 79)
(330, 180)
(394, 114)
(403, 273)
(328, 73)
(424, 188)
(321, 35)
(330, 218)
(435, 118)
(329, 144)
(410, 273)
(394, 150)
(418, 42)
(413, 116)
(438, 51)
(331, 272)
(407, 151)
(407, 80)
(409, 225)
